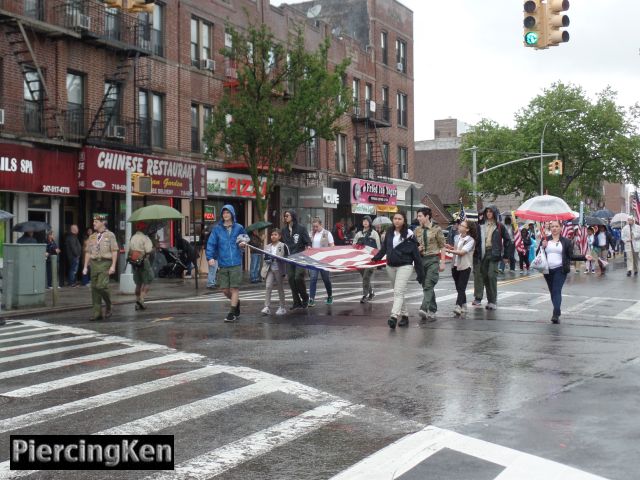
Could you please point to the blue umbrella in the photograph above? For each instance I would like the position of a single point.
(604, 213)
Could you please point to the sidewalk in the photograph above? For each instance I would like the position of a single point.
(75, 298)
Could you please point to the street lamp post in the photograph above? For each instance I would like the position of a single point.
(553, 114)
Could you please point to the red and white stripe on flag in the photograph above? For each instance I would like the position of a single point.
(517, 240)
(581, 240)
(635, 206)
(567, 230)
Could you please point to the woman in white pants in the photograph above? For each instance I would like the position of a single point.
(273, 272)
(401, 249)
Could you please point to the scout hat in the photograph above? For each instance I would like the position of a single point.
(101, 217)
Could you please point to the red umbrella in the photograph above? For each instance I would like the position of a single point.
(544, 208)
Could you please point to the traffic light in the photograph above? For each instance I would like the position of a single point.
(555, 21)
(534, 24)
(555, 167)
(141, 183)
(113, 3)
(140, 6)
(552, 168)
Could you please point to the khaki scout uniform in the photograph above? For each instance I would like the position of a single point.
(101, 247)
(142, 243)
(432, 239)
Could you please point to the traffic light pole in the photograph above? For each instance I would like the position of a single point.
(127, 285)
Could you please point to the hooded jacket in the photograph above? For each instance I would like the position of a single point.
(297, 239)
(223, 243)
(500, 241)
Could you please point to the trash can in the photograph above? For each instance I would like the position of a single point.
(23, 275)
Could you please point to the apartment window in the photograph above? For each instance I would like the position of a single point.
(384, 47)
(112, 23)
(402, 161)
(195, 128)
(401, 106)
(33, 9)
(112, 104)
(341, 153)
(151, 108)
(228, 40)
(152, 30)
(356, 154)
(75, 104)
(311, 150)
(401, 55)
(206, 40)
(206, 116)
(385, 103)
(368, 92)
(32, 94)
(368, 151)
(385, 156)
(355, 88)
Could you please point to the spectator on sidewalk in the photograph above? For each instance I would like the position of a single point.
(72, 251)
(27, 238)
(51, 250)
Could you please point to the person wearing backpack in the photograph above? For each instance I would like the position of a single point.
(140, 248)
(367, 237)
(320, 238)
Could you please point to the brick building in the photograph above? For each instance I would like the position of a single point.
(87, 90)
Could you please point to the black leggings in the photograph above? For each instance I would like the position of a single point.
(461, 279)
(524, 258)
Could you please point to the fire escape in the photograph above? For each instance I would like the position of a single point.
(372, 155)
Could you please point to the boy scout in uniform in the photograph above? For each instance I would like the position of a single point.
(102, 252)
(431, 247)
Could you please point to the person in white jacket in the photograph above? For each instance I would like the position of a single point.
(631, 238)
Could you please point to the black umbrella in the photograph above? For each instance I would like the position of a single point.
(31, 226)
(4, 216)
(604, 213)
(594, 221)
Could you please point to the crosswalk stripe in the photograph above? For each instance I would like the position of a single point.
(18, 329)
(69, 361)
(29, 337)
(191, 411)
(630, 313)
(235, 453)
(540, 299)
(582, 306)
(98, 374)
(51, 351)
(47, 342)
(107, 398)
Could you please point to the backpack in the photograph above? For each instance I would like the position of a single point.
(367, 240)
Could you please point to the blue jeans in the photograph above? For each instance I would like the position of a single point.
(72, 276)
(256, 259)
(211, 275)
(555, 280)
(326, 279)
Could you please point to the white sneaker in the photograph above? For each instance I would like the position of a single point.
(491, 306)
(281, 311)
(422, 314)
(266, 311)
(457, 310)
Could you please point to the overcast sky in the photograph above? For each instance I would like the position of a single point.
(470, 61)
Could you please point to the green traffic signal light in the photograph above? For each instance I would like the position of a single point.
(531, 38)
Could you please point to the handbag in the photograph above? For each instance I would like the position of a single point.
(136, 258)
(540, 263)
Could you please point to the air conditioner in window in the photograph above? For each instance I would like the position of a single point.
(208, 64)
(116, 132)
(400, 67)
(372, 106)
(1, 116)
(81, 22)
(405, 175)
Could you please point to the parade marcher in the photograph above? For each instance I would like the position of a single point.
(86, 279)
(51, 249)
(589, 265)
(27, 238)
(320, 237)
(273, 272)
(369, 238)
(524, 254)
(491, 242)
(509, 252)
(256, 257)
(462, 259)
(631, 237)
(101, 256)
(601, 245)
(559, 251)
(140, 248)
(72, 252)
(401, 248)
(431, 245)
(296, 238)
(224, 246)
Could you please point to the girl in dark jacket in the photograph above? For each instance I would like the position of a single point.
(401, 249)
(559, 251)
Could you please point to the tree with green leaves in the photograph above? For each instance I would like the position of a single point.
(596, 140)
(285, 97)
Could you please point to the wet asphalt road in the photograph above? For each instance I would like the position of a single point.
(563, 393)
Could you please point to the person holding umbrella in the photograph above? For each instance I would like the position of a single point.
(27, 237)
(101, 256)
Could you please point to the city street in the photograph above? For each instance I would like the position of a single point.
(332, 392)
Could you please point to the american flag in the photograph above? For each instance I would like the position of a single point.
(567, 230)
(517, 240)
(635, 205)
(462, 214)
(581, 239)
(344, 258)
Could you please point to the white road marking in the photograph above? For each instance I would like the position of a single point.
(404, 454)
(52, 351)
(29, 337)
(235, 453)
(539, 300)
(69, 361)
(19, 326)
(22, 329)
(630, 313)
(585, 305)
(96, 375)
(108, 398)
(47, 342)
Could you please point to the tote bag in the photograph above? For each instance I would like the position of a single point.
(540, 263)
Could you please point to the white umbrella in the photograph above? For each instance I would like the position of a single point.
(619, 220)
(544, 208)
(380, 220)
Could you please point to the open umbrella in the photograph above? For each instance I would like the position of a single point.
(594, 221)
(4, 216)
(544, 208)
(154, 212)
(604, 213)
(619, 220)
(258, 226)
(380, 221)
(31, 226)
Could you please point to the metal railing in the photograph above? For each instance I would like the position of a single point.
(372, 111)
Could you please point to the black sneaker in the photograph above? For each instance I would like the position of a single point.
(555, 319)
(238, 308)
(393, 321)
(404, 321)
(371, 295)
(628, 273)
(363, 299)
(231, 317)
